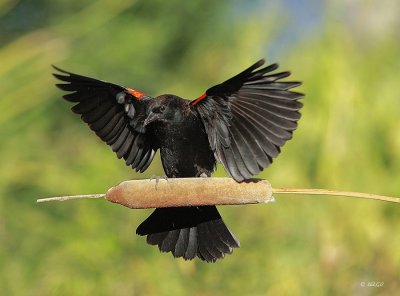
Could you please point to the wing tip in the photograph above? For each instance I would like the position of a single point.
(299, 95)
(259, 63)
(63, 78)
(59, 69)
(62, 86)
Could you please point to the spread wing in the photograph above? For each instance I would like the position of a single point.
(114, 113)
(249, 117)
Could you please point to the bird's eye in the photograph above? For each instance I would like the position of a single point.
(162, 108)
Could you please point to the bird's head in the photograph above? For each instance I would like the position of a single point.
(163, 109)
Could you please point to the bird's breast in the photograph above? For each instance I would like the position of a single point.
(185, 150)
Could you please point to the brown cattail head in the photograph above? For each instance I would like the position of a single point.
(139, 194)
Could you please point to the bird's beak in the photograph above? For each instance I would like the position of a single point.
(150, 118)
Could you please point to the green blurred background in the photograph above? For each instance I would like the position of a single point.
(347, 54)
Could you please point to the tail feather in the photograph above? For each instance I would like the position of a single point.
(225, 234)
(191, 250)
(189, 232)
(155, 238)
(207, 246)
(169, 243)
(219, 243)
(181, 243)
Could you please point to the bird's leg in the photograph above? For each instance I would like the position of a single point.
(157, 178)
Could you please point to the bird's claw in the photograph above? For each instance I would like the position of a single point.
(157, 178)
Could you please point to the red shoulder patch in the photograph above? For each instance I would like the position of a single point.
(203, 96)
(137, 94)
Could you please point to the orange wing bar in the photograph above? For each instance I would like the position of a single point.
(198, 99)
(137, 94)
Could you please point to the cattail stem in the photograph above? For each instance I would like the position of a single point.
(180, 192)
(335, 193)
(71, 197)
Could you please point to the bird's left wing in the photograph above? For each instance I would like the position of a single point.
(248, 118)
(114, 113)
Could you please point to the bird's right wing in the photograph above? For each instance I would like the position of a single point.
(114, 113)
(249, 117)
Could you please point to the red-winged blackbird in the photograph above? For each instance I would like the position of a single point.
(241, 123)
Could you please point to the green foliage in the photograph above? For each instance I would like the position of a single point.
(348, 139)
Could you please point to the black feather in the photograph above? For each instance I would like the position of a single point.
(121, 139)
(181, 243)
(156, 238)
(244, 153)
(98, 106)
(169, 241)
(123, 150)
(191, 250)
(260, 113)
(105, 119)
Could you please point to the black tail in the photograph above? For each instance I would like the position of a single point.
(188, 232)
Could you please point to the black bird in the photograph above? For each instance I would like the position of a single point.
(241, 123)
